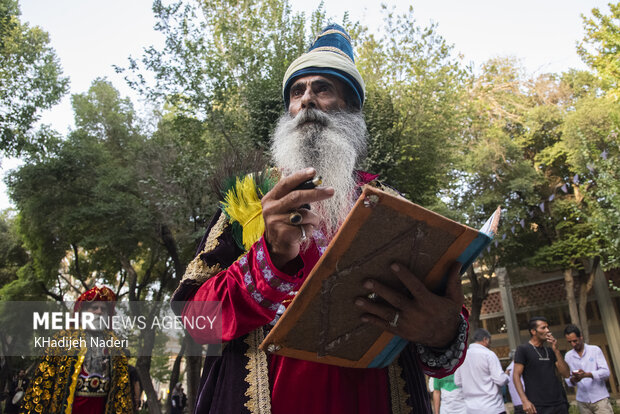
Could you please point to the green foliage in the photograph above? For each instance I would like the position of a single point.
(223, 62)
(413, 106)
(30, 80)
(600, 47)
(592, 147)
(13, 255)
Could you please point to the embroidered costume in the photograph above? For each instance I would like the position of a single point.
(233, 267)
(253, 293)
(82, 380)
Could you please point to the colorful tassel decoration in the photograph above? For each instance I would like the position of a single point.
(243, 207)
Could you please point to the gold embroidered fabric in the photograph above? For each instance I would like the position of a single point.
(197, 271)
(258, 375)
(397, 389)
(52, 389)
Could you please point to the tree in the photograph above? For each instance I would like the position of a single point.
(413, 106)
(30, 80)
(94, 203)
(600, 47)
(517, 158)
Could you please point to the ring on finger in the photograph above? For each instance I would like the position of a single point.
(295, 218)
(394, 322)
(303, 234)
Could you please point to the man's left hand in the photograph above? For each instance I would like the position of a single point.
(424, 317)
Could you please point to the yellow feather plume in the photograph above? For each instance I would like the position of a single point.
(243, 205)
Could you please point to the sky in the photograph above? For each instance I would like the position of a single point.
(90, 37)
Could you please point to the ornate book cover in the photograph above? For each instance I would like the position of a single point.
(323, 324)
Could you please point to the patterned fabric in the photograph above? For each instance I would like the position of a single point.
(96, 294)
(53, 387)
(331, 54)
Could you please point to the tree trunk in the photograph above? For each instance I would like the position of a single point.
(569, 284)
(584, 289)
(143, 365)
(175, 374)
(479, 291)
(194, 365)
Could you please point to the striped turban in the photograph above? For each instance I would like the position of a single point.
(331, 54)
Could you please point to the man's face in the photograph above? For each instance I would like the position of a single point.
(100, 310)
(542, 330)
(316, 91)
(575, 342)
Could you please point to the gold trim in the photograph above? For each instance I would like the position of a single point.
(197, 270)
(74, 377)
(398, 388)
(258, 375)
(216, 231)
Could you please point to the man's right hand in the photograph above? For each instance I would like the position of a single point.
(528, 407)
(283, 238)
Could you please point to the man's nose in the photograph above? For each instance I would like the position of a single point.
(308, 100)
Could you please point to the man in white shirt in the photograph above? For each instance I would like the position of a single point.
(481, 377)
(589, 371)
(447, 397)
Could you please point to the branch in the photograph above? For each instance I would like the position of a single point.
(60, 275)
(77, 265)
(55, 296)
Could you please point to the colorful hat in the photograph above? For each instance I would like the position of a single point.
(96, 294)
(331, 54)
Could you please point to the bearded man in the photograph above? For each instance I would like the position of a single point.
(86, 380)
(254, 273)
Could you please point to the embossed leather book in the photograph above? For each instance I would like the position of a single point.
(323, 324)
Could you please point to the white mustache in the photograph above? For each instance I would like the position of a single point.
(311, 115)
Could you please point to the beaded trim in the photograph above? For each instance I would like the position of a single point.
(320, 240)
(250, 285)
(446, 358)
(268, 275)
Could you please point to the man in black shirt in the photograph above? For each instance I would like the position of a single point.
(544, 393)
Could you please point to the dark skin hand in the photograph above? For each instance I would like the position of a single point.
(284, 239)
(579, 375)
(426, 318)
(415, 315)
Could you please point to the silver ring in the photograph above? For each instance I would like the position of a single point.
(303, 234)
(394, 322)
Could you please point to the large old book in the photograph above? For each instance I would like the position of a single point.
(323, 324)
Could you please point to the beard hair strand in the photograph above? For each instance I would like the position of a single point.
(332, 143)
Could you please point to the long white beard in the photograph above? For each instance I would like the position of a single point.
(332, 143)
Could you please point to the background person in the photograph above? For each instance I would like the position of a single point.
(589, 371)
(446, 395)
(481, 377)
(86, 380)
(537, 365)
